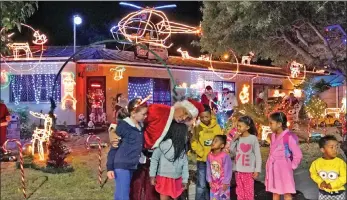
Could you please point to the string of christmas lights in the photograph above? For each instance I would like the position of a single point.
(149, 26)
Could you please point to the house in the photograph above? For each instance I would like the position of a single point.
(97, 74)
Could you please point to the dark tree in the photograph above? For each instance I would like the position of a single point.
(280, 30)
(12, 14)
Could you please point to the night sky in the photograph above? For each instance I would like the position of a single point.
(55, 20)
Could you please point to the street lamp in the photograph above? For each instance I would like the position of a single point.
(77, 20)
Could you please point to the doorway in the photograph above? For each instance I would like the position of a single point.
(96, 99)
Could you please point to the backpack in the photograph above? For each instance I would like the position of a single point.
(287, 151)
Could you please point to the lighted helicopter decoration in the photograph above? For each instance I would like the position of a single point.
(149, 26)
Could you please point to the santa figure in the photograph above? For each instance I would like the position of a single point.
(157, 123)
(229, 102)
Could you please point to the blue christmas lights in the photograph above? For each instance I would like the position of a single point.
(158, 88)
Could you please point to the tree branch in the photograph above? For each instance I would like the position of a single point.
(327, 46)
(300, 37)
(309, 59)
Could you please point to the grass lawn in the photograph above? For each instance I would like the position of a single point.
(80, 184)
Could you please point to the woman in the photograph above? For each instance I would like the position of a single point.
(121, 102)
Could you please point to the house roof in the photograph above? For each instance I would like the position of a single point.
(101, 54)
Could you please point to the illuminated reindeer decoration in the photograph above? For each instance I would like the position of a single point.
(17, 47)
(41, 135)
(185, 54)
(246, 60)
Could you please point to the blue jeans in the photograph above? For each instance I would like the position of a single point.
(202, 190)
(122, 185)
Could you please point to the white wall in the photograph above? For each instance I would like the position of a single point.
(42, 67)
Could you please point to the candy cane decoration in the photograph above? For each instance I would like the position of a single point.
(309, 131)
(19, 145)
(88, 147)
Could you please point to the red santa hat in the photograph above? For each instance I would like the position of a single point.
(193, 107)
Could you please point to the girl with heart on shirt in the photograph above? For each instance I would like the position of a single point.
(248, 158)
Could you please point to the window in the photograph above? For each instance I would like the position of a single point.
(219, 85)
(33, 88)
(142, 87)
(259, 88)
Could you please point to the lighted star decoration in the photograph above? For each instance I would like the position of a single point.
(118, 72)
(244, 94)
(297, 70)
(41, 135)
(149, 26)
(69, 88)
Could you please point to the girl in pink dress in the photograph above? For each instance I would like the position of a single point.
(285, 156)
(219, 170)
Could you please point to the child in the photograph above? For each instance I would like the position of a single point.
(329, 172)
(219, 169)
(122, 162)
(248, 158)
(121, 114)
(285, 156)
(231, 134)
(201, 145)
(169, 163)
